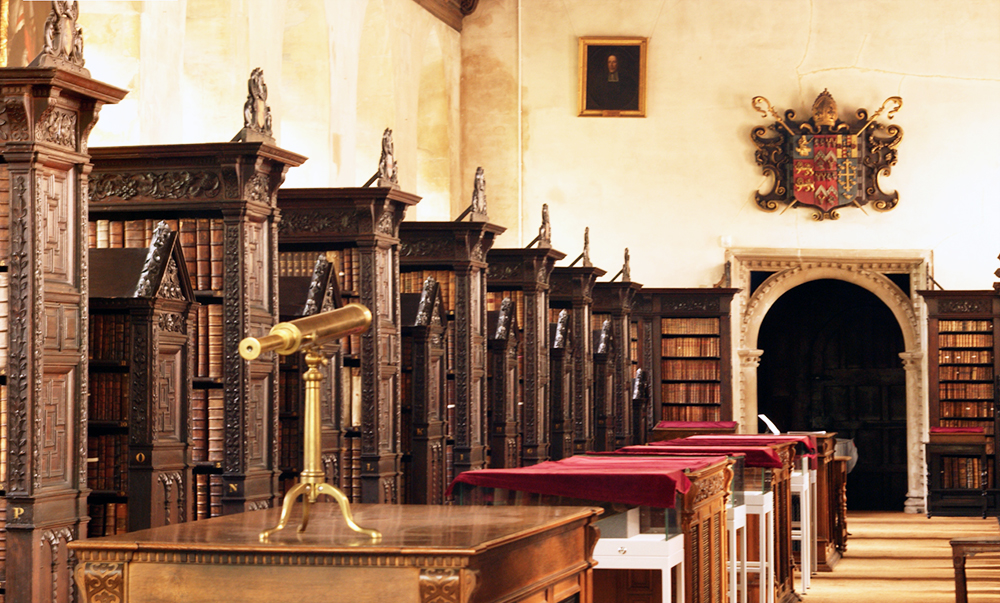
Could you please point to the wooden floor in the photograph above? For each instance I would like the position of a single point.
(900, 558)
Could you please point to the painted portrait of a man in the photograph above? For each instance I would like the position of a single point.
(613, 75)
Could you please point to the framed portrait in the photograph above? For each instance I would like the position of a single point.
(612, 77)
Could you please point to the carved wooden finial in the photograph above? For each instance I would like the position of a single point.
(626, 269)
(63, 46)
(387, 172)
(479, 193)
(545, 230)
(256, 113)
(586, 247)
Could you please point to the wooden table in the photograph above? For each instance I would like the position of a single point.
(440, 554)
(967, 547)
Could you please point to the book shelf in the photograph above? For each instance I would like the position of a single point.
(687, 347)
(220, 198)
(613, 301)
(423, 386)
(523, 275)
(138, 466)
(572, 288)
(454, 253)
(360, 226)
(50, 109)
(562, 385)
(503, 386)
(962, 365)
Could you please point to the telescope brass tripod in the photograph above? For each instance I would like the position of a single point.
(308, 334)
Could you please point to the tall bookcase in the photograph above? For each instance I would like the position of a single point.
(220, 197)
(523, 275)
(455, 253)
(140, 365)
(49, 110)
(964, 344)
(686, 343)
(613, 301)
(361, 225)
(423, 387)
(572, 288)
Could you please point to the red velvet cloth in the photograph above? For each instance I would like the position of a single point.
(957, 430)
(697, 425)
(632, 481)
(756, 456)
(749, 440)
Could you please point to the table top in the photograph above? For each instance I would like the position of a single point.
(406, 529)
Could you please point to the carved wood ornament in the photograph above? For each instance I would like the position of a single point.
(824, 163)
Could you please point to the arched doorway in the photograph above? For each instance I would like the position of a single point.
(831, 362)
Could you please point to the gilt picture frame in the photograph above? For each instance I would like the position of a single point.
(612, 76)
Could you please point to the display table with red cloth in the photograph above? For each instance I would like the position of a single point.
(671, 430)
(696, 487)
(755, 456)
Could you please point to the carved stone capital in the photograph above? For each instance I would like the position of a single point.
(750, 358)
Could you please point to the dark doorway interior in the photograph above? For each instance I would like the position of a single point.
(831, 362)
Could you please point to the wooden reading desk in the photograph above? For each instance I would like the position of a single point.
(967, 547)
(440, 554)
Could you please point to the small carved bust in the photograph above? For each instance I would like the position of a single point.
(387, 172)
(545, 230)
(479, 192)
(63, 38)
(824, 110)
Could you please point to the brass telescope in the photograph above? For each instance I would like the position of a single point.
(288, 337)
(308, 334)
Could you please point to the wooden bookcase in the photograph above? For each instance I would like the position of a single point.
(503, 386)
(572, 288)
(964, 344)
(686, 343)
(49, 111)
(562, 385)
(220, 197)
(613, 301)
(361, 225)
(455, 254)
(423, 395)
(140, 365)
(523, 275)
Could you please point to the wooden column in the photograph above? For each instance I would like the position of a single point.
(48, 115)
(528, 271)
(616, 299)
(502, 399)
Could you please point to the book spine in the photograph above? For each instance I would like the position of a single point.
(216, 254)
(203, 263)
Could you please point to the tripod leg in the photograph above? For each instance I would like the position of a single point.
(286, 509)
(345, 508)
(307, 500)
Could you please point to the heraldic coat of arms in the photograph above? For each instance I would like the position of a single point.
(825, 163)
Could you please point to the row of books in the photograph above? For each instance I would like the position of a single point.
(4, 214)
(965, 391)
(691, 393)
(681, 412)
(689, 326)
(965, 472)
(4, 312)
(207, 425)
(206, 341)
(3, 439)
(109, 399)
(965, 340)
(413, 282)
(347, 263)
(690, 346)
(966, 409)
(965, 325)
(107, 519)
(965, 357)
(965, 373)
(109, 337)
(107, 462)
(686, 370)
(988, 428)
(201, 242)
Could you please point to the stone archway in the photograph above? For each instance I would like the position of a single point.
(787, 269)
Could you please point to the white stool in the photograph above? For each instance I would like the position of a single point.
(736, 521)
(645, 551)
(761, 504)
(802, 530)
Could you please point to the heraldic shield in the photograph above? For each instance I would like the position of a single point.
(824, 163)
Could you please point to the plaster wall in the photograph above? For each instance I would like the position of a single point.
(338, 73)
(677, 186)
